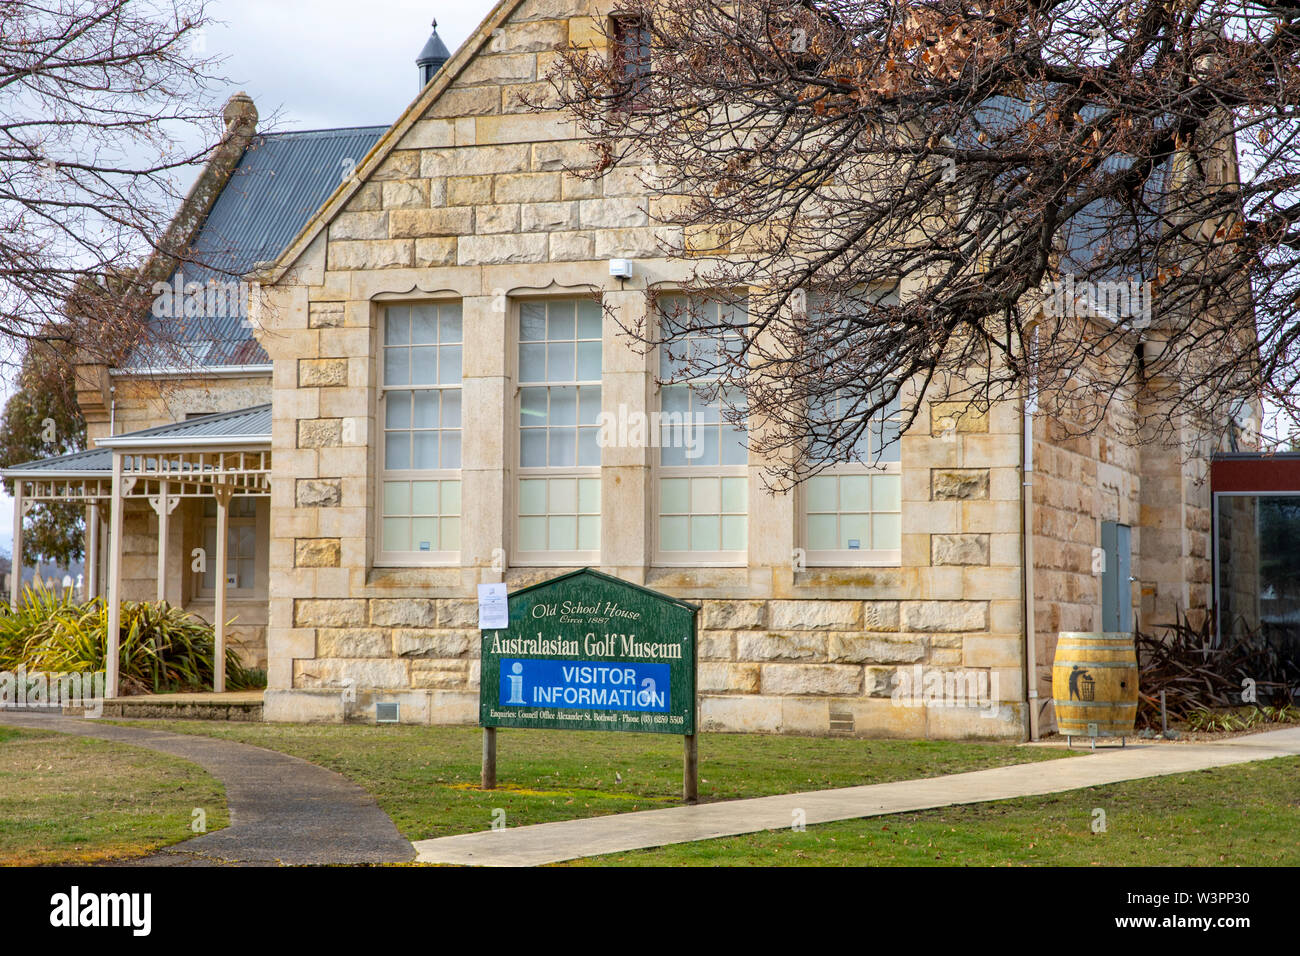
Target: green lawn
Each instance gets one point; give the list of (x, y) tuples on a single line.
[(426, 778), (66, 799), (1247, 815)]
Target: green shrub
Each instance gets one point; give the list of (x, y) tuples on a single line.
[(1241, 718), (160, 648)]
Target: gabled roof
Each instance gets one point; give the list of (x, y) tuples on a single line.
[(343, 192), (281, 179)]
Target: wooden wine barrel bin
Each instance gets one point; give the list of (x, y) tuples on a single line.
[(1095, 684)]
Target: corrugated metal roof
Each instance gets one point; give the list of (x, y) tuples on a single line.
[(281, 180), (242, 424), (94, 461)]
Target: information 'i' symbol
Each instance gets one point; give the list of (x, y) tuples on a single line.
[(516, 683)]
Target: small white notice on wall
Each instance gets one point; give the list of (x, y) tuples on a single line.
[(493, 610)]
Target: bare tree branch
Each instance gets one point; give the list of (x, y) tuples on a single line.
[(1114, 180), (96, 98)]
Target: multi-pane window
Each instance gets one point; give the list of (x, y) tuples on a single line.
[(630, 40), (421, 414), (241, 545), (851, 508), (703, 497), (559, 410)]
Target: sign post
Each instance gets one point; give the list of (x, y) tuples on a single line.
[(587, 651), (690, 770), (489, 780)]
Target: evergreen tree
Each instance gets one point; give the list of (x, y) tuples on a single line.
[(41, 420)]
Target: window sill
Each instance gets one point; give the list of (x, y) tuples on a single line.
[(865, 559), (442, 559), (556, 559), (449, 578), (676, 578), (875, 583)]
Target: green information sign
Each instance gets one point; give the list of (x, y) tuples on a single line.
[(587, 651)]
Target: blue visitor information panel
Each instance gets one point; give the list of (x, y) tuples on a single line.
[(584, 685)]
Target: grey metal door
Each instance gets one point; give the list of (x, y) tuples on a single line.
[(1116, 592)]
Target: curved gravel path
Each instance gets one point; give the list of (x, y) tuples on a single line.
[(283, 810)]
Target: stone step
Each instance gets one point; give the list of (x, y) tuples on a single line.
[(244, 706)]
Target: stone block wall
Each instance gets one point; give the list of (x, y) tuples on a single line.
[(1176, 510), (146, 402), (1125, 470), (780, 666), (474, 203), (1078, 482), (139, 551), (782, 648)]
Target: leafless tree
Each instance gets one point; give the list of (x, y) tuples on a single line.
[(104, 112), (1095, 199)]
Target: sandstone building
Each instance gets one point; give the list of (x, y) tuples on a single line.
[(414, 411)]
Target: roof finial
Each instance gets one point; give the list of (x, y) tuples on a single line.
[(432, 57)]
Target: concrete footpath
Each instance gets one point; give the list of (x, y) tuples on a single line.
[(282, 810), (555, 842)]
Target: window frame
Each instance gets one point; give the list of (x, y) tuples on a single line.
[(518, 472), (260, 523), (636, 71), (441, 557), (661, 472), (847, 557), (870, 469)]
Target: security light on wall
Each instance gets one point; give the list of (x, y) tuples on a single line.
[(620, 268)]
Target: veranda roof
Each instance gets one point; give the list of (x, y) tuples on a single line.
[(245, 426), (81, 464)]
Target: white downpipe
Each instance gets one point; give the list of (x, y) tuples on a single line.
[(114, 581), (1027, 546)]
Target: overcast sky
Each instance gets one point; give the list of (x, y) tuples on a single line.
[(322, 64), (328, 63)]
